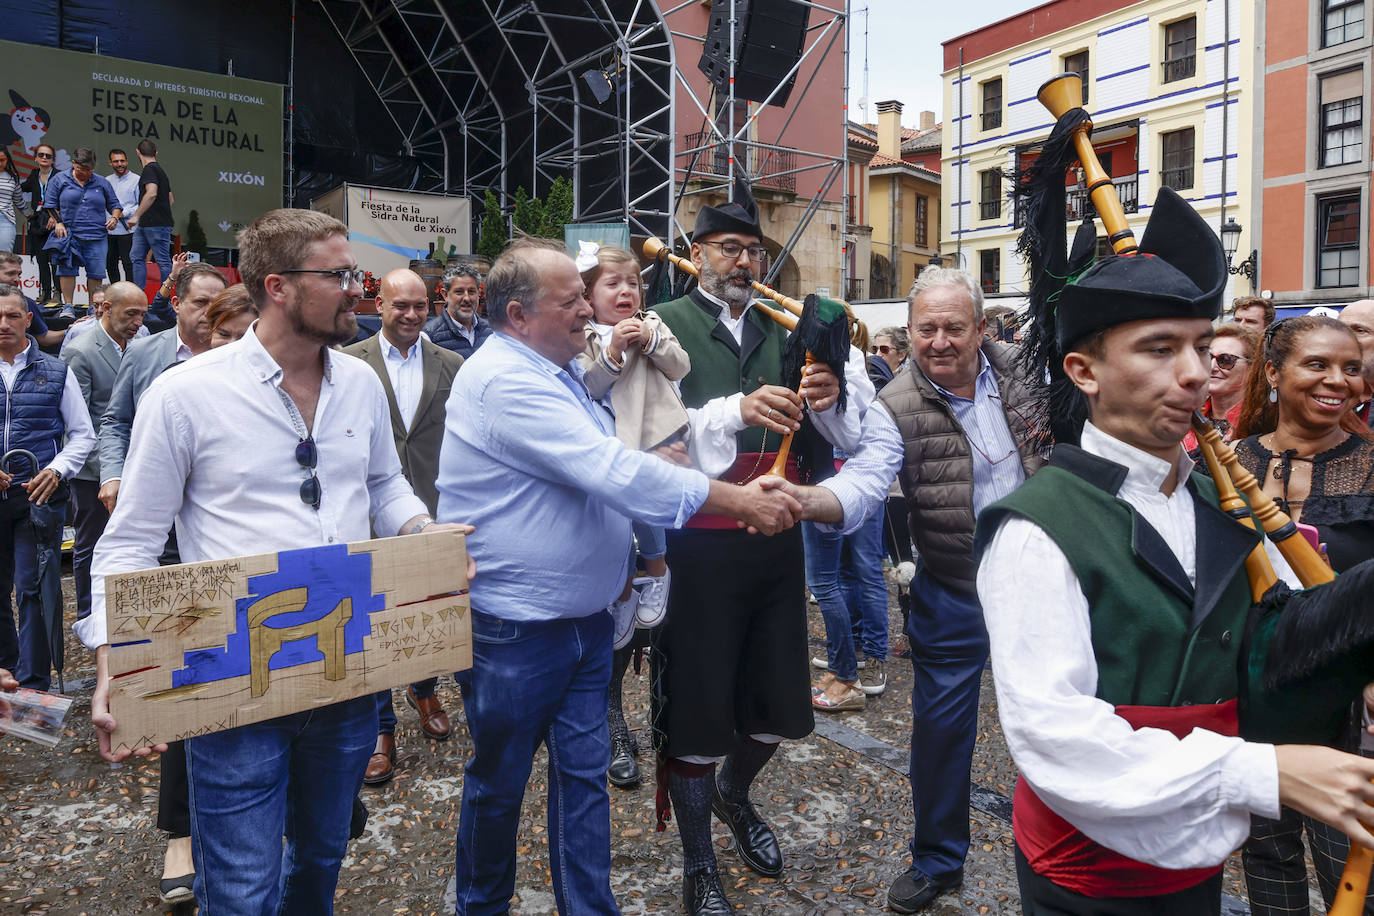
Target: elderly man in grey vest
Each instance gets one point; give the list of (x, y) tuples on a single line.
[(956, 426)]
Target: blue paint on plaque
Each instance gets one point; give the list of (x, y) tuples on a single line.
[(329, 574)]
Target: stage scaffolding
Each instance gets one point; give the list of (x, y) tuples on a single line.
[(492, 94)]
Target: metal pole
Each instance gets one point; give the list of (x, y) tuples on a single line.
[(291, 115), (959, 158), (843, 291), (730, 110)]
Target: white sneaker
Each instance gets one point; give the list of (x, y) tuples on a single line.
[(653, 600), (623, 613), (821, 663)]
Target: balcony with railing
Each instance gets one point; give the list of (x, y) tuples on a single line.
[(1078, 203), (775, 168)]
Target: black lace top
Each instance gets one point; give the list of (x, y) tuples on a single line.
[(1341, 504)]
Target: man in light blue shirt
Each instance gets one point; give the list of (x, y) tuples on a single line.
[(533, 462), (957, 428)]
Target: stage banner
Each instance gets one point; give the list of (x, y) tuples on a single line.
[(586, 237), (390, 228), (219, 138), (203, 647)]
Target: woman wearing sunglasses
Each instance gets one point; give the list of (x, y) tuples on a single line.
[(1233, 353), (1309, 451)]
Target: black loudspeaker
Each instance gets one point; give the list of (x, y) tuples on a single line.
[(769, 38)]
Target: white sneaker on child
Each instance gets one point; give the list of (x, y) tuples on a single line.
[(653, 600), (623, 613)]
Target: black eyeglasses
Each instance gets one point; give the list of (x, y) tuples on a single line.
[(1228, 360), (307, 457), (733, 250), (345, 275)]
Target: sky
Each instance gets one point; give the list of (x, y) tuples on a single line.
[(904, 54)]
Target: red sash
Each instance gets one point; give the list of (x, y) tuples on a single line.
[(747, 466), (1058, 851)]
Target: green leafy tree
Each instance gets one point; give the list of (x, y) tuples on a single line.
[(195, 235), (529, 213), (494, 234), (558, 208)]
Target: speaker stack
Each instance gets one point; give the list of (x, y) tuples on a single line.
[(770, 36)]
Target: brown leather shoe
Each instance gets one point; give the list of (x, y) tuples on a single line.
[(382, 765), (433, 720)]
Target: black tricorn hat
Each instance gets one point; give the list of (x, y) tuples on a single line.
[(739, 215), (1178, 273)]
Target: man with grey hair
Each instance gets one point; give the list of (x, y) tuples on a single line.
[(957, 429), (1359, 317), (458, 327)]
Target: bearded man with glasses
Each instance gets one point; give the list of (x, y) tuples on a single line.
[(730, 662), (273, 442)]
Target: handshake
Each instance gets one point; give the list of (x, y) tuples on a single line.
[(765, 505)]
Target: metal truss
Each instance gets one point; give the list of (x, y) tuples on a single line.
[(711, 158), (490, 95)]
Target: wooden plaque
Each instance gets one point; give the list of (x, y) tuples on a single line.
[(204, 647)]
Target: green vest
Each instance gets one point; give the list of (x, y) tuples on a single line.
[(1157, 640), (719, 366)]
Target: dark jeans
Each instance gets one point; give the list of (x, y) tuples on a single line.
[(949, 647), (31, 537), (90, 521), (117, 253), (293, 776), (386, 712), (532, 684)]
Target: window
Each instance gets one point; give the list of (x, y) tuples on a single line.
[(990, 270), (990, 198), (1180, 49), (992, 104), (1078, 63), (922, 209), (1338, 241), (1342, 21), (1177, 167), (1342, 110)]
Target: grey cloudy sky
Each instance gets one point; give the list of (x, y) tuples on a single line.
[(904, 53)]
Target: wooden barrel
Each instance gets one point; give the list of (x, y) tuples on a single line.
[(432, 272), (477, 262)]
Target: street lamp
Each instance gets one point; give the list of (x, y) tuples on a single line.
[(1230, 238)]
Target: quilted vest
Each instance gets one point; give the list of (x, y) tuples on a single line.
[(937, 468), (32, 411)]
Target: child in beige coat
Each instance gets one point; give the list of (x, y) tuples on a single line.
[(632, 361)]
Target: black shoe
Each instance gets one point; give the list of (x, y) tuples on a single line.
[(177, 890), (914, 891), (702, 895), (754, 839), (624, 770)]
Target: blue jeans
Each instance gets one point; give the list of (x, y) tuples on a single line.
[(827, 554), (30, 539), (295, 776), (6, 233), (651, 540), (949, 647), (157, 238), (531, 684), (386, 712), (91, 255)]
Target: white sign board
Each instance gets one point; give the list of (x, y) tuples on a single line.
[(390, 228)]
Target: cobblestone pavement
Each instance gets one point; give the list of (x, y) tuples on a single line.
[(77, 836)]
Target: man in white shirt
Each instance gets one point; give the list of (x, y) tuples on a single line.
[(42, 405), (121, 237), (271, 443), (417, 376)]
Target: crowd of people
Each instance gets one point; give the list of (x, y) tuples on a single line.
[(609, 466)]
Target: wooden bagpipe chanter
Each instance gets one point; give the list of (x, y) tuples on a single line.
[(1309, 652)]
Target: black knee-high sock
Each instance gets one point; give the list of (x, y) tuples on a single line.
[(740, 768), (615, 713), (689, 786)]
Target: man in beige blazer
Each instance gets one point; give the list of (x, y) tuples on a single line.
[(417, 375)]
